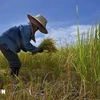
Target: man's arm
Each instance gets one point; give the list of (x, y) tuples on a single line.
[(26, 33)]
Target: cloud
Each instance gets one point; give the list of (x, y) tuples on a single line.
[(64, 35)]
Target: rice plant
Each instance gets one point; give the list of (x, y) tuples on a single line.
[(48, 44)]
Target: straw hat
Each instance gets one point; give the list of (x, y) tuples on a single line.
[(39, 21)]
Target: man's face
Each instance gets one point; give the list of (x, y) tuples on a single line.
[(35, 28), (33, 37)]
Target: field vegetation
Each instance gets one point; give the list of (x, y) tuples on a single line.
[(70, 73)]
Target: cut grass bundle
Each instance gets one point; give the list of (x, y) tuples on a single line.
[(48, 44)]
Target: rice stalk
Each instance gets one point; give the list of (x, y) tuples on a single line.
[(48, 44)]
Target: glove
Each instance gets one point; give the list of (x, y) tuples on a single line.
[(40, 50), (14, 71)]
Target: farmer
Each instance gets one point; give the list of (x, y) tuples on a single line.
[(18, 38)]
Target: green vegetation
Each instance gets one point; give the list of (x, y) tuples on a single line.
[(71, 73)]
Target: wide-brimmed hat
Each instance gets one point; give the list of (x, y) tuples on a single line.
[(39, 21)]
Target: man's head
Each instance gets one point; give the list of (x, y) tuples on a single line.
[(40, 21)]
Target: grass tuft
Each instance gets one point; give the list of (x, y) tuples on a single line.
[(48, 44)]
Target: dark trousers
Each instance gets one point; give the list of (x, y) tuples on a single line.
[(12, 58)]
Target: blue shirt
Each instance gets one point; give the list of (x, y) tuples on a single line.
[(18, 38)]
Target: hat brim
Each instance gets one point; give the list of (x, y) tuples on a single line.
[(37, 23)]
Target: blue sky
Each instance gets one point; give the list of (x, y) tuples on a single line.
[(61, 15)]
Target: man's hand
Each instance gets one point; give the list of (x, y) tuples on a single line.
[(40, 50), (14, 71)]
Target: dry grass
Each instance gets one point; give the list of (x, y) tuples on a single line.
[(48, 44), (71, 73)]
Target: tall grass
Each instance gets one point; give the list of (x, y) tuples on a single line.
[(71, 73)]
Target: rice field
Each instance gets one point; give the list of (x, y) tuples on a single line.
[(70, 73)]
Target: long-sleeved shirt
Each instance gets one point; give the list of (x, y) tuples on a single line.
[(18, 38)]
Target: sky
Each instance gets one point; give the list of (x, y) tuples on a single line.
[(61, 16)]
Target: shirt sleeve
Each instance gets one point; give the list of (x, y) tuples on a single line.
[(26, 37)]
